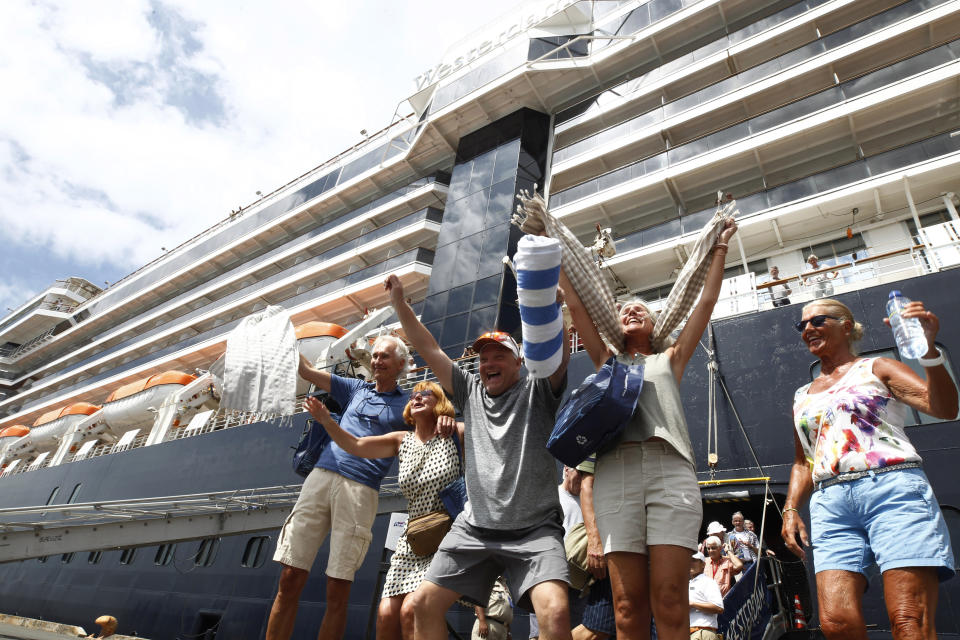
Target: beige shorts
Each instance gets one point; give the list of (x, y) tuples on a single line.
[(646, 493), (329, 503)]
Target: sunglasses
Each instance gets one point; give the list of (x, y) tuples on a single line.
[(423, 393), (816, 321)]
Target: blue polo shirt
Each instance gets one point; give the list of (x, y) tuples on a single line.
[(365, 413)]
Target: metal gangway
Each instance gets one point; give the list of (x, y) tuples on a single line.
[(34, 532)]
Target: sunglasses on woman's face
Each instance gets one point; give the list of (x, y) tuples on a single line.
[(816, 321), (423, 393)]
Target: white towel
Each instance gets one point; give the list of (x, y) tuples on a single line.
[(538, 272), (260, 366)]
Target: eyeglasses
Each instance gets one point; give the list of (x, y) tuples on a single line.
[(816, 321), (423, 394)]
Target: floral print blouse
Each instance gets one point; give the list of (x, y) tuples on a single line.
[(855, 425)]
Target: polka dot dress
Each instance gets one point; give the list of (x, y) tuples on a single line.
[(425, 469)]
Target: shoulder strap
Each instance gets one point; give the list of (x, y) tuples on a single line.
[(459, 445)]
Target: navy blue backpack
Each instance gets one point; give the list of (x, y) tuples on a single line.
[(313, 440), (595, 414)]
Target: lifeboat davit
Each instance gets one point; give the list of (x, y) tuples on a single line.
[(10, 435), (129, 407), (313, 340)]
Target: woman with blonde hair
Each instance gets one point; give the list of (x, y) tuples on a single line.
[(870, 501), (646, 497), (428, 463)]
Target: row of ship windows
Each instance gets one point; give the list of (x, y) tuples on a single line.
[(254, 554)]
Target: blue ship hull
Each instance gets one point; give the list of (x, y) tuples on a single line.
[(762, 362)]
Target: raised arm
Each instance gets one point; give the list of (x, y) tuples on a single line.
[(592, 342), (419, 337), (383, 446), (321, 379), (798, 491), (557, 377), (682, 350), (935, 396)]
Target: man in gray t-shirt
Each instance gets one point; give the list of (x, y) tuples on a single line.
[(512, 523)]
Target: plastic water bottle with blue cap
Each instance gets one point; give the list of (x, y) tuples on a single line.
[(907, 332)]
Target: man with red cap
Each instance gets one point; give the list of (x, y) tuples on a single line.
[(512, 523)]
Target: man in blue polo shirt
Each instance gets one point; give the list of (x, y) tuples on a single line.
[(340, 494)]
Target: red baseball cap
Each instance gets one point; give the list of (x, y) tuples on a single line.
[(496, 337)]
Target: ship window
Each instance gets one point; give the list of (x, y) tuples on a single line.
[(913, 416), (255, 552), (127, 556), (207, 552), (164, 555), (66, 558), (94, 557), (74, 494), (53, 494)]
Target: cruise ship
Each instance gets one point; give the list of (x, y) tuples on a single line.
[(834, 124)]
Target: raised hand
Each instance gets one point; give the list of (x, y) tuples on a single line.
[(394, 289), (928, 320), (317, 409), (727, 232)]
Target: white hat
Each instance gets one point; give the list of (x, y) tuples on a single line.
[(715, 527), (699, 556)]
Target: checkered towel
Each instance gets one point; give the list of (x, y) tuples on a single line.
[(260, 366), (584, 274), (533, 217), (686, 290)]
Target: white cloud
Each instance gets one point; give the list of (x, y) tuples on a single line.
[(129, 126)]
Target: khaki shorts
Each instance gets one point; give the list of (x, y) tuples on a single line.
[(646, 493), (329, 503)]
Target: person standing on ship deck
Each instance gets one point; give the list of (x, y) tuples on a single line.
[(340, 495), (868, 489), (512, 523), (646, 496)]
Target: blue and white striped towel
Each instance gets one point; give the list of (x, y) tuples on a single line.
[(538, 271)]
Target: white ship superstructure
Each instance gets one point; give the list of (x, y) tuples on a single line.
[(835, 125)]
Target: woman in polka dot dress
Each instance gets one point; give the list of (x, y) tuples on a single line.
[(428, 462)]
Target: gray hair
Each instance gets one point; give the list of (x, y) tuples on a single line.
[(713, 540), (399, 348), (736, 513)]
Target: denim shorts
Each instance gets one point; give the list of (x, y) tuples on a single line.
[(891, 519)]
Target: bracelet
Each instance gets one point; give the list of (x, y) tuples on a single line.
[(785, 509), (721, 244), (931, 362)]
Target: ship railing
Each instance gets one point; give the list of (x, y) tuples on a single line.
[(33, 343), (936, 248)]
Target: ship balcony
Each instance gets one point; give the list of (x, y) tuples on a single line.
[(868, 132), (209, 280), (791, 78), (36, 318), (799, 31), (341, 266)]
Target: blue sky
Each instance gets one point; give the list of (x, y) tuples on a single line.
[(130, 126)]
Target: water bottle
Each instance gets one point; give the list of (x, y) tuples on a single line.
[(906, 331)]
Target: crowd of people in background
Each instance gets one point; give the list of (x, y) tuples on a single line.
[(637, 505)]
